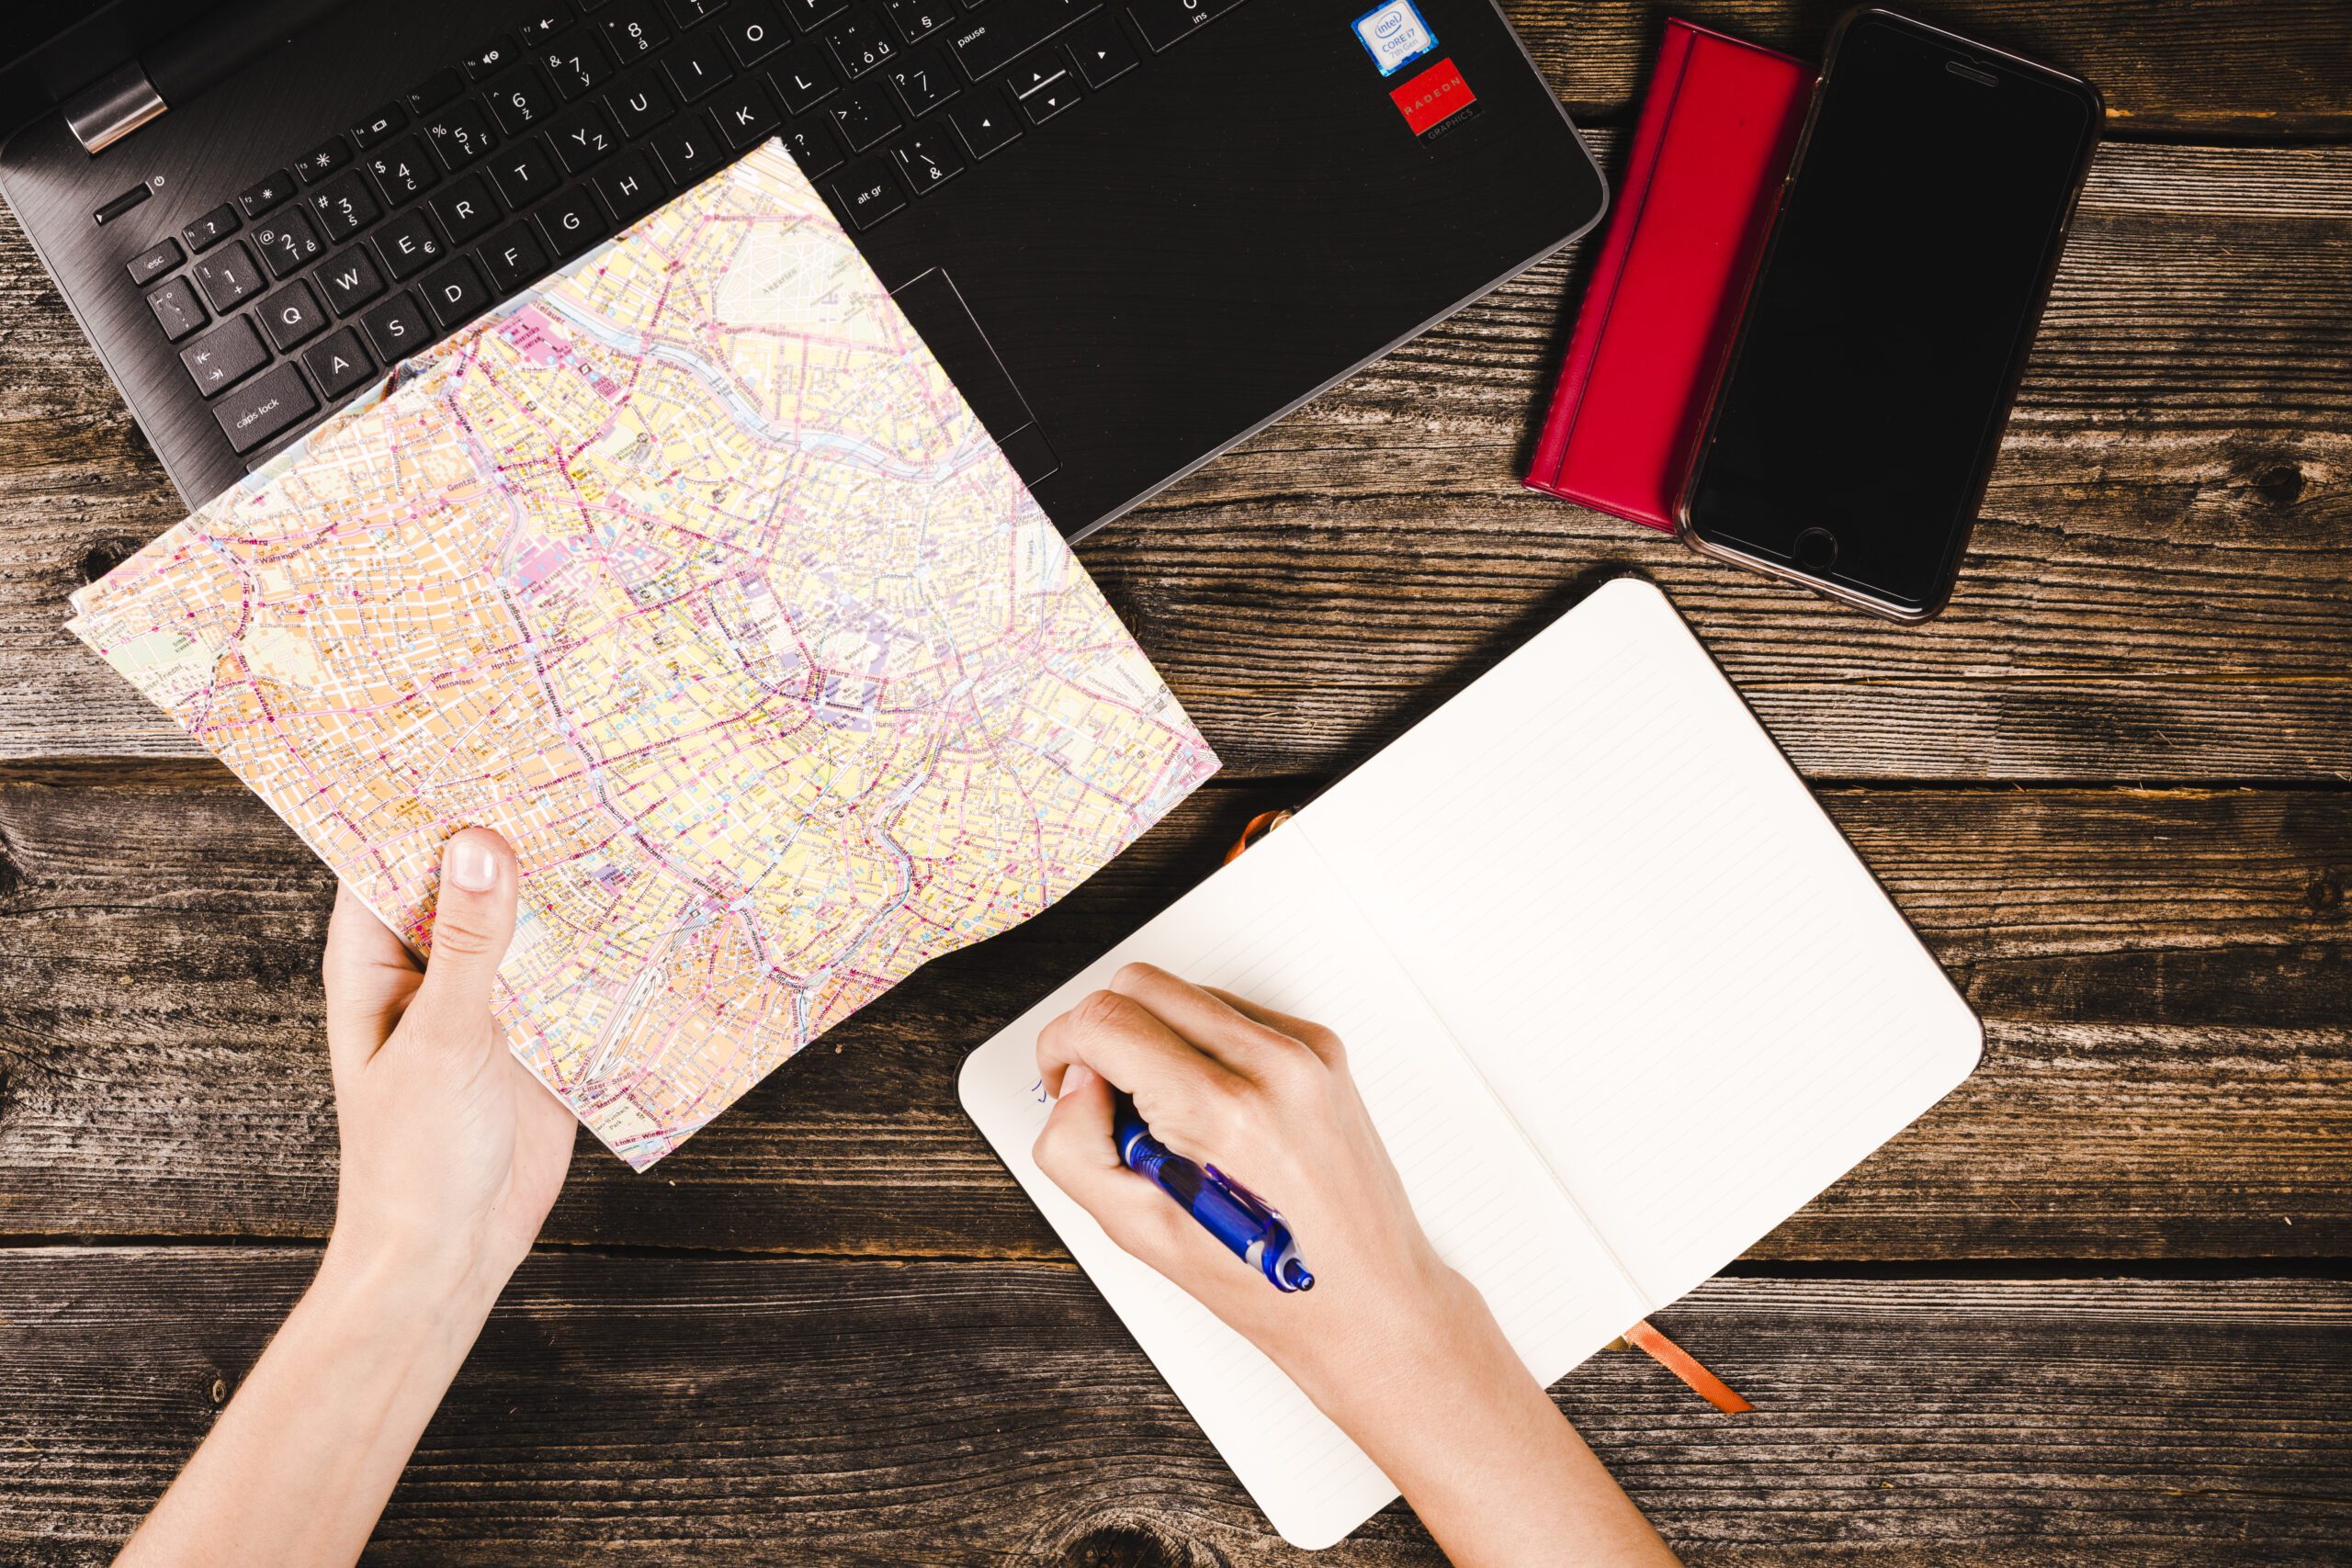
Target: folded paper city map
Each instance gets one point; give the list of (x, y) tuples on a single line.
[(691, 573)]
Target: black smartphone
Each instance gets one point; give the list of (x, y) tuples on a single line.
[(1857, 417)]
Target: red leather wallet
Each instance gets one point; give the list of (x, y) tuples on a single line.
[(1716, 133)]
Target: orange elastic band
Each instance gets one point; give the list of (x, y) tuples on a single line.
[(1260, 826), (1684, 1365)]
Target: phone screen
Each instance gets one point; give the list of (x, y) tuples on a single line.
[(1866, 397)]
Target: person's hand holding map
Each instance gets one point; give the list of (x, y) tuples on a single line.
[(691, 573)]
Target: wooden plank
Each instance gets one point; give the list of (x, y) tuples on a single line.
[(2184, 68), (837, 1412), (2165, 978), (2156, 592)]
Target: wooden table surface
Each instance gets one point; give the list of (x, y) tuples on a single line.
[(2092, 1309)]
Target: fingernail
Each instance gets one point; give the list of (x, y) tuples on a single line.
[(472, 866), (1076, 1076)]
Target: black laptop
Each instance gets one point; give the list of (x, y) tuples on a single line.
[(1134, 231)]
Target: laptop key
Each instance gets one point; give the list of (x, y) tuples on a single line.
[(640, 102), (1166, 23), (397, 327), (492, 58), (514, 257), (984, 123), (868, 192), (633, 32), (687, 150), (1051, 99), (344, 206), (813, 147), (1040, 71), (351, 280), (918, 19), (744, 114), (808, 15), (583, 137), (408, 244), (266, 193), (288, 244), (1011, 29), (228, 277), (628, 184), (572, 222), (465, 208), (1101, 48), (323, 160), (224, 355), (865, 117), (928, 161), (148, 266), (460, 135), (378, 126), (435, 91), (687, 13), (272, 403), (922, 82), (403, 170), (292, 315), (524, 172), (211, 229), (753, 33), (177, 310), (520, 100), (338, 363), (455, 294), (859, 44), (803, 82), (574, 61), (697, 65), (545, 22)]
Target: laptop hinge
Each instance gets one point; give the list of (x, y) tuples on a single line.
[(112, 107)]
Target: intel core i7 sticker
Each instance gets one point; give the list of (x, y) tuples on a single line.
[(1435, 101), (1396, 35)]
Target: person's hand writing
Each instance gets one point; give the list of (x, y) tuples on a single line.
[(1268, 1099), (452, 1151), (1395, 1346)]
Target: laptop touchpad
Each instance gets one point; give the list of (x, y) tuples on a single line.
[(936, 307)]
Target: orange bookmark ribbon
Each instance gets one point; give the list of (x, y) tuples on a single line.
[(1684, 1365)]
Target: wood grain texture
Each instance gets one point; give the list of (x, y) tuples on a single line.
[(2157, 591), (2165, 976), (657, 1410), (2175, 68)]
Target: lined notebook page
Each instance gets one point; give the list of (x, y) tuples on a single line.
[(1274, 927), (1665, 960)]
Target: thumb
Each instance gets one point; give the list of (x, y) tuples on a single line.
[(472, 921)]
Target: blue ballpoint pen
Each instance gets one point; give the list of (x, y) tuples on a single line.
[(1226, 1209)]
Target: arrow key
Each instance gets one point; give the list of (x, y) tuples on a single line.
[(984, 123), (1102, 51)]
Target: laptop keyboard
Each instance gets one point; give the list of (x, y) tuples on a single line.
[(290, 296)]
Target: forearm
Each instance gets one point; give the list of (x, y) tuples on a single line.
[(298, 1466), (1486, 1458)]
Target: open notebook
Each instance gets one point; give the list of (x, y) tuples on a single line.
[(1619, 997)]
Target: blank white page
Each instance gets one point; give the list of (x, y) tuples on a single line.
[(1664, 958), (1274, 927)]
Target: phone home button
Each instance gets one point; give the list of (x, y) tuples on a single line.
[(1816, 550)]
